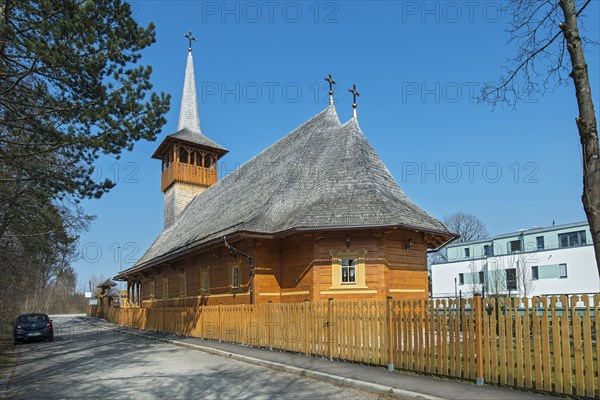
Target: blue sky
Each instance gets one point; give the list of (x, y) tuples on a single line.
[(259, 72)]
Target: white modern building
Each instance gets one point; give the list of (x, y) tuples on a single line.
[(530, 262)]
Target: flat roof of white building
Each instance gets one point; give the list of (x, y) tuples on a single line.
[(527, 231)]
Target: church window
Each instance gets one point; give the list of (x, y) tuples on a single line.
[(205, 281), (165, 293), (208, 161), (183, 156), (234, 266), (348, 269), (182, 282), (234, 276)]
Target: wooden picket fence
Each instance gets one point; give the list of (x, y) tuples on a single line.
[(545, 343)]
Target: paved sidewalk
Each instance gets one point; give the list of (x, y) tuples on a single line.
[(397, 384)]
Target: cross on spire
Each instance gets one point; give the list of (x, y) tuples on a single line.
[(354, 93), (190, 38), (331, 83)]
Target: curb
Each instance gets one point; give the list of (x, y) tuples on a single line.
[(335, 379), (322, 376)]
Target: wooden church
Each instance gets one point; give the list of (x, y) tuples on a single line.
[(315, 216)]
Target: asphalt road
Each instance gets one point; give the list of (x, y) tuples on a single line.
[(88, 362)]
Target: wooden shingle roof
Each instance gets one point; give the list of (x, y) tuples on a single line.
[(322, 175)]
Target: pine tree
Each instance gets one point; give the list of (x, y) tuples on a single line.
[(70, 90)]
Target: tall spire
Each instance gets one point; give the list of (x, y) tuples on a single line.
[(188, 114)]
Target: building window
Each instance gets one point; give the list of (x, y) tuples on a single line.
[(205, 280), (234, 277), (348, 270), (514, 246), (182, 282), (481, 277), (183, 156), (534, 273), (487, 250), (461, 279), (572, 239), (563, 270), (209, 161), (165, 287), (235, 274), (152, 287), (540, 242), (467, 252), (511, 279)]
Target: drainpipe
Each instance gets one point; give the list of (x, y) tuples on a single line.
[(233, 250)]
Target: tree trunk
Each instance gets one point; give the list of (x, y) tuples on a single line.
[(586, 123)]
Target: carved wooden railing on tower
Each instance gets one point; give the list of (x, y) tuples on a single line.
[(188, 173)]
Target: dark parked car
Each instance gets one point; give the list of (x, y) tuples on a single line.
[(33, 326)]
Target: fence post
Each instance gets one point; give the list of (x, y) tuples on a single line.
[(306, 329), (329, 329), (478, 339), (269, 318), (244, 324), (201, 322), (220, 324), (390, 335), (460, 308)]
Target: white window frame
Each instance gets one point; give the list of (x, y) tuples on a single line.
[(536, 276), (359, 257), (560, 271), (348, 264)]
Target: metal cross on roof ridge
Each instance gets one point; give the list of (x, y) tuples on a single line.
[(354, 93), (190, 38), (331, 83)]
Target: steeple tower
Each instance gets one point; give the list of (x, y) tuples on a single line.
[(189, 159), (188, 113)]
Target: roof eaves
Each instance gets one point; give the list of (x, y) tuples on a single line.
[(185, 250), (290, 231)]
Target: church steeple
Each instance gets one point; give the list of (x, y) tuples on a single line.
[(188, 114), (189, 159)]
